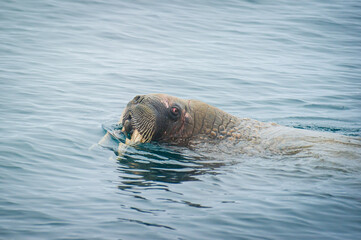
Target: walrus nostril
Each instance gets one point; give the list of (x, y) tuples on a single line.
[(138, 99)]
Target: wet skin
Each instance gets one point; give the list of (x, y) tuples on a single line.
[(164, 118), (192, 123)]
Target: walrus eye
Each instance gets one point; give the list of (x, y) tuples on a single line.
[(175, 112)]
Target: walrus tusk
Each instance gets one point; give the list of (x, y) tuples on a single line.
[(134, 140)]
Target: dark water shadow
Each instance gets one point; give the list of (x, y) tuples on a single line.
[(153, 165)]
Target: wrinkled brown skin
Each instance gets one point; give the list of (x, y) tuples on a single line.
[(198, 120), (200, 123)]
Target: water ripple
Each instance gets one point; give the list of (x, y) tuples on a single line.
[(66, 67)]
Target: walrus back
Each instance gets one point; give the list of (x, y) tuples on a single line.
[(271, 138)]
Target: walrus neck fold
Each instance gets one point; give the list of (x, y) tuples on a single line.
[(211, 122)]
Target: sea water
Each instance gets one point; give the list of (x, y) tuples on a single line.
[(69, 67)]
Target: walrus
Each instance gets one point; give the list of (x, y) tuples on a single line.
[(191, 123)]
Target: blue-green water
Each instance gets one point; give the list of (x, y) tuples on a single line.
[(67, 67)]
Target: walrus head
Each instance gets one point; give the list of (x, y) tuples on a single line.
[(157, 117), (164, 118)]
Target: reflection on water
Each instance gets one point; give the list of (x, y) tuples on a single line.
[(150, 164)]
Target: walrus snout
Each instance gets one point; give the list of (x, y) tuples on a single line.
[(127, 126), (139, 120)]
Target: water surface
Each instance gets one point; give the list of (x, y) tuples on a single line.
[(67, 67)]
